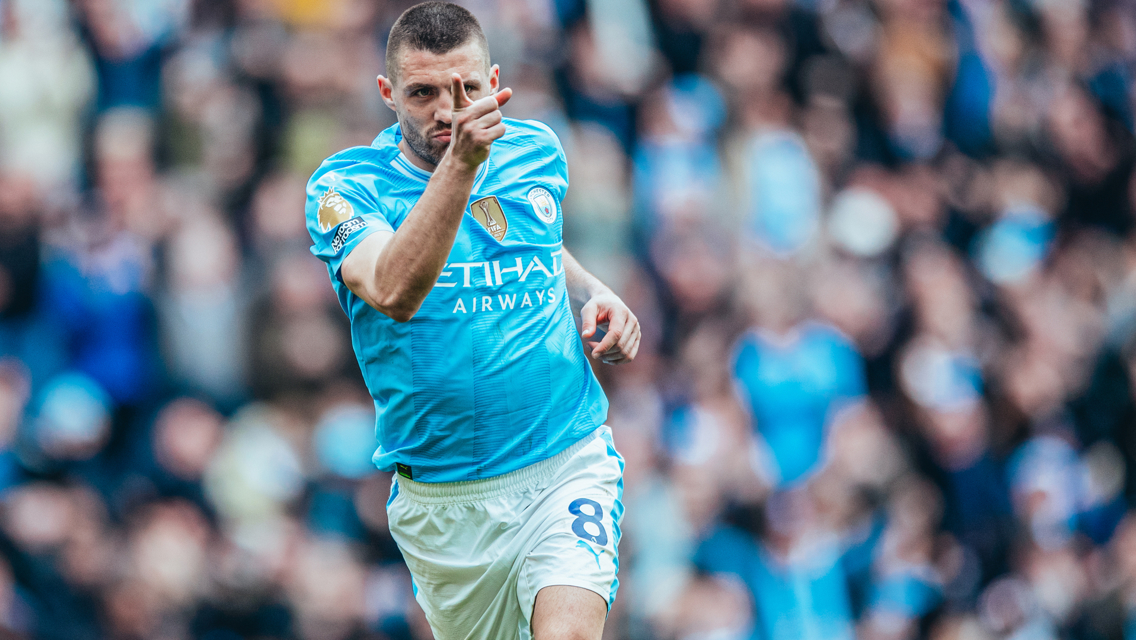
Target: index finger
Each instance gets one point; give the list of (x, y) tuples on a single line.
[(588, 320), (615, 331), (457, 90)]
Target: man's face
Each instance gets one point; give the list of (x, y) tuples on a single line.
[(420, 95)]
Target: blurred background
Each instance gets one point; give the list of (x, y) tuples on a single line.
[(883, 251)]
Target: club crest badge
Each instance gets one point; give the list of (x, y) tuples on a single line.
[(488, 212), (333, 209), (543, 204)]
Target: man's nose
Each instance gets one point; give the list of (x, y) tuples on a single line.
[(444, 109)]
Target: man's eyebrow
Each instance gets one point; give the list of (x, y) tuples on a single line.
[(411, 88)]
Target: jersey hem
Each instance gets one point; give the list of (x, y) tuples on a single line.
[(371, 227), (484, 489), (569, 582)]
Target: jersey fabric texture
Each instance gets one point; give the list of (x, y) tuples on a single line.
[(490, 375), (479, 552)]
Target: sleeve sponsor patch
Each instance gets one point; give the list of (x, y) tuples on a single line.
[(345, 231)]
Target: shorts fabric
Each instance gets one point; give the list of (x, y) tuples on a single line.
[(480, 551)]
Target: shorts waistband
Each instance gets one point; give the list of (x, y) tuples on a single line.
[(474, 490)]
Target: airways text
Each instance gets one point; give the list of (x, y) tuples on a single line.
[(534, 273)]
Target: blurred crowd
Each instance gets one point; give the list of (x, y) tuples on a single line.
[(884, 254)]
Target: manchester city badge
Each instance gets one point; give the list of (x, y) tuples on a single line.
[(543, 204)]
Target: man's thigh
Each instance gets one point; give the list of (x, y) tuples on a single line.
[(568, 613), (480, 567), (575, 560)]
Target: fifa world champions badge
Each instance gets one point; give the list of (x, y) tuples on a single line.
[(488, 212)]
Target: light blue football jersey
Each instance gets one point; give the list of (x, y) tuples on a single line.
[(490, 375)]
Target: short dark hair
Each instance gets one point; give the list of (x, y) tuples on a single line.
[(437, 27)]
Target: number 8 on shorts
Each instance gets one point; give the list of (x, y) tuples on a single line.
[(596, 532)]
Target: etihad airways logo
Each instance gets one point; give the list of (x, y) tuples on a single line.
[(492, 274)]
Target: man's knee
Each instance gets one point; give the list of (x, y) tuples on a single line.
[(568, 613)]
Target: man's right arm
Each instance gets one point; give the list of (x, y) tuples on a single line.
[(394, 272)]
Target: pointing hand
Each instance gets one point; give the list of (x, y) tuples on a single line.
[(475, 125)]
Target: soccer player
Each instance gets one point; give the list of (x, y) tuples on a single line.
[(443, 242)]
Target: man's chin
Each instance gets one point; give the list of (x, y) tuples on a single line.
[(431, 155)]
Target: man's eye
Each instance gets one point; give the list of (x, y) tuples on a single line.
[(469, 88), (421, 93)]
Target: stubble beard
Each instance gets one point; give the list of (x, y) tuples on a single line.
[(422, 147)]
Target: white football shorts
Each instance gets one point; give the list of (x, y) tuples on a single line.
[(480, 551)]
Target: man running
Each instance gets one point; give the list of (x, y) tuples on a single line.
[(443, 241)]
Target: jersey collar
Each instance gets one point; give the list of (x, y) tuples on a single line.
[(401, 164)]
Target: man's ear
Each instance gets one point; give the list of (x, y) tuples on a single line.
[(386, 91), (494, 78)]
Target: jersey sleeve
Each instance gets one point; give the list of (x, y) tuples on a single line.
[(341, 210), (559, 164)]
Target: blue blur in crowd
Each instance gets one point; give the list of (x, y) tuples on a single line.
[(907, 594), (73, 410), (676, 170), (967, 109), (978, 502), (343, 442), (36, 341), (1054, 492), (785, 191), (1015, 245), (793, 385), (100, 305), (805, 598)]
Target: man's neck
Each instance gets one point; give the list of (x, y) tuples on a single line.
[(414, 158)]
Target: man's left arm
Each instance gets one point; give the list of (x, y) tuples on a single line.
[(599, 306)]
